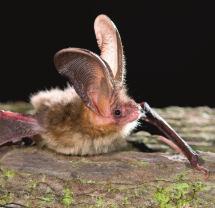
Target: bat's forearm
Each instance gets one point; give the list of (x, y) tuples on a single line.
[(152, 117)]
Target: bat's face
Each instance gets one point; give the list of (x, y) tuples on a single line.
[(118, 112), (126, 112)]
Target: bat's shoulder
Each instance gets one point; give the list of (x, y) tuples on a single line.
[(54, 97)]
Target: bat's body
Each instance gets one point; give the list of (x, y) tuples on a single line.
[(94, 114), (71, 128)]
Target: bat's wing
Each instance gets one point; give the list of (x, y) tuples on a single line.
[(15, 126), (171, 137)]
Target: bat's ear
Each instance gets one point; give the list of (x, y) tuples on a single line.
[(110, 44), (89, 75)]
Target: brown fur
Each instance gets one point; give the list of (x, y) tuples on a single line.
[(71, 128)]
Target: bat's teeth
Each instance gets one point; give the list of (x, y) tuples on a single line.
[(142, 115)]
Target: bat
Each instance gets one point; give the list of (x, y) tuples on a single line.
[(94, 113)]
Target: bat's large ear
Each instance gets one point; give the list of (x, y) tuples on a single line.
[(110, 44), (89, 75)]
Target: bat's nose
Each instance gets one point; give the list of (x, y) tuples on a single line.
[(145, 110)]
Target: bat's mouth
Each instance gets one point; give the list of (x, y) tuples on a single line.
[(149, 115)]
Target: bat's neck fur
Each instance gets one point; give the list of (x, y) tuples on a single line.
[(71, 128)]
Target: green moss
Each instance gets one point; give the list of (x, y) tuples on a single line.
[(32, 184), (181, 177), (67, 198), (177, 195), (86, 181), (6, 198), (113, 206), (141, 163), (48, 198), (100, 203), (8, 174), (126, 201)]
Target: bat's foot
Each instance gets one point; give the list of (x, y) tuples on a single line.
[(195, 164), (204, 170)]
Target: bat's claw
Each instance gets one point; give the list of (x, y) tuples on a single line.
[(204, 170), (195, 164)]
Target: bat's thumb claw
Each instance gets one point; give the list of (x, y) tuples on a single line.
[(204, 170)]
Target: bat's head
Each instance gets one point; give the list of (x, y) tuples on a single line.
[(99, 80), (124, 110), (126, 113)]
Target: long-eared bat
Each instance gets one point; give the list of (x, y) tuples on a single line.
[(94, 113)]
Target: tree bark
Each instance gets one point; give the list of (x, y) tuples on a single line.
[(35, 177)]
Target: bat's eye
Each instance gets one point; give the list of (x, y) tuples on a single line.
[(117, 113)]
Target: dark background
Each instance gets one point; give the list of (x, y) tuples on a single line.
[(169, 47)]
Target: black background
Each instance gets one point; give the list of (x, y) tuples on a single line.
[(169, 47)]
